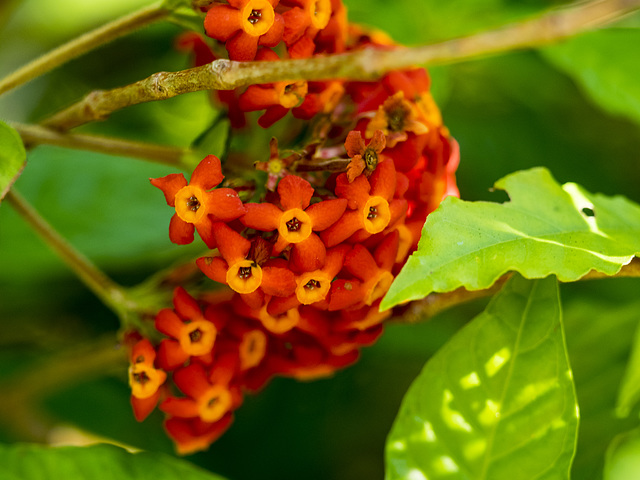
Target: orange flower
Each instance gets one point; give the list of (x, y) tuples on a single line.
[(395, 117), (195, 204), (296, 221), (244, 25), (305, 19), (194, 435), (243, 269), (371, 205), (364, 158), (144, 379), (192, 334)]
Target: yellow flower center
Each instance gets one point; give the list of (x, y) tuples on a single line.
[(252, 349), (295, 225), (214, 403), (280, 323), (320, 13), (376, 214), (379, 288), (244, 276), (313, 287), (257, 17), (145, 380), (197, 338), (291, 93), (275, 166), (189, 206)]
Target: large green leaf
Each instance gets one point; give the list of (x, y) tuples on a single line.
[(497, 401), (545, 229), (605, 64), (12, 157), (36, 462)]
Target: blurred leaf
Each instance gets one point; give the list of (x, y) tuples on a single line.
[(213, 141), (12, 157), (623, 457), (468, 417), (545, 229), (599, 324), (605, 64), (629, 392), (36, 462)]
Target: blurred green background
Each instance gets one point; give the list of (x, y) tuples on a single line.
[(574, 108)]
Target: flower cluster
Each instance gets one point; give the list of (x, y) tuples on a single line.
[(297, 277)]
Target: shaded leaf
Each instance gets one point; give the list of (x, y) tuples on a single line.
[(36, 462), (605, 64), (629, 393), (497, 401), (12, 157), (623, 457), (545, 229)]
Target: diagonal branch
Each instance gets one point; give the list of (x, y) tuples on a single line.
[(366, 64)]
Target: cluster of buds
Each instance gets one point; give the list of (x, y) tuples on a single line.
[(301, 272)]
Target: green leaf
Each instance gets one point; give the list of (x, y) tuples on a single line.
[(629, 392), (623, 457), (36, 462), (545, 229), (497, 401), (605, 64), (12, 157)]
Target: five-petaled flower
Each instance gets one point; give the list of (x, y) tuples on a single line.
[(144, 379), (196, 206), (244, 25)]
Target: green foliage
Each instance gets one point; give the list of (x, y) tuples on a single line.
[(35, 462), (629, 393), (545, 229), (12, 157), (623, 457), (497, 401), (605, 65)]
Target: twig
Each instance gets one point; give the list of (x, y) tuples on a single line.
[(434, 303), (366, 64), (36, 135), (83, 44), (111, 294)]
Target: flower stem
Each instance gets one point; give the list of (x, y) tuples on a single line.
[(366, 64), (83, 44), (35, 135), (111, 294)]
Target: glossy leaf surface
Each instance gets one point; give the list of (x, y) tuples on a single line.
[(545, 229), (497, 401)]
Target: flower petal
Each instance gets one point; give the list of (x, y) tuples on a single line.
[(171, 355), (180, 407), (274, 34), (347, 225), (168, 322), (186, 306), (192, 380), (242, 47), (308, 255), (383, 180), (385, 253), (213, 267), (190, 439), (361, 264), (224, 204), (295, 192), (296, 21), (326, 213), (272, 115), (208, 173), (261, 216), (345, 293), (258, 97), (170, 185), (142, 407), (356, 192), (277, 281), (180, 232), (232, 246), (222, 21), (356, 167), (354, 143)]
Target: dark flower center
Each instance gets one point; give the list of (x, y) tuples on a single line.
[(397, 118), (370, 158), (311, 284), (195, 336), (193, 203), (244, 273), (373, 213), (294, 225), (141, 378), (254, 16)]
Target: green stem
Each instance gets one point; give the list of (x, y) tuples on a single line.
[(83, 44), (35, 135), (111, 294)]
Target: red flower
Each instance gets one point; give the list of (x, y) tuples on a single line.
[(193, 435), (244, 25), (192, 334), (277, 98), (242, 273), (364, 158), (395, 117), (195, 205), (144, 379), (296, 221), (306, 18)]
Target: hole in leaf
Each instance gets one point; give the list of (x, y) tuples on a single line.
[(588, 212)]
